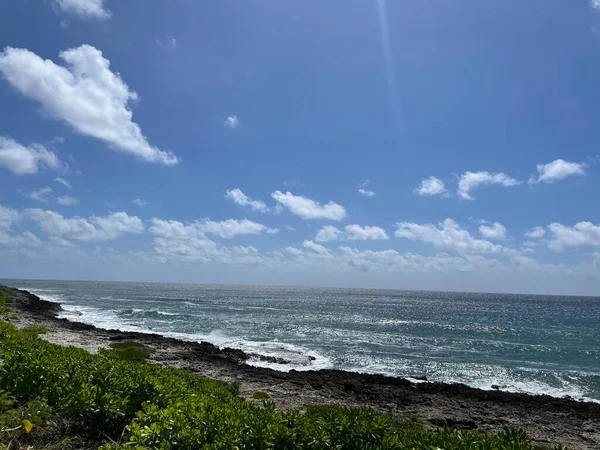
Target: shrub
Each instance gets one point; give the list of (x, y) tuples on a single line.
[(260, 395), (131, 351)]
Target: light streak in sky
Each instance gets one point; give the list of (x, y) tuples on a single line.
[(389, 63)]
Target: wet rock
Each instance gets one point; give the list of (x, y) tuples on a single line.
[(270, 359), (419, 377)]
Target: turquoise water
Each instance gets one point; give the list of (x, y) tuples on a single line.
[(536, 344)]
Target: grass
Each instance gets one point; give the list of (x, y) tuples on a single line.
[(35, 330), (260, 395), (131, 351), (74, 399)]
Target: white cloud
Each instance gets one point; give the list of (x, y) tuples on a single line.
[(353, 232), (23, 160), (595, 4), (41, 195), (7, 217), (234, 227), (196, 230), (366, 233), (65, 200), (557, 170), (168, 43), (392, 261), (93, 9), (64, 182), (231, 122), (536, 233), (450, 236), (329, 233), (472, 180), (86, 229), (363, 189), (309, 209), (493, 231), (582, 234), (85, 94), (317, 248), (139, 202), (239, 198), (366, 192), (431, 186), (188, 243), (174, 229), (26, 239)]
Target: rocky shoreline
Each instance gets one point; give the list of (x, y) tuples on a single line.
[(547, 420)]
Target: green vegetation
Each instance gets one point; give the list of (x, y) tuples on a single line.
[(35, 330), (131, 351), (63, 397), (260, 395), (6, 296)]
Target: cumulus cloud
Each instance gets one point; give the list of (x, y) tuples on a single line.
[(64, 182), (168, 43), (470, 181), (353, 232), (431, 186), (239, 198), (363, 189), (174, 229), (25, 160), (311, 255), (41, 195), (309, 209), (139, 202), (493, 231), (25, 239), (7, 217), (329, 233), (582, 234), (85, 94), (316, 248), (557, 170), (87, 9), (536, 233), (449, 236), (89, 229), (188, 243), (595, 4), (366, 233), (65, 200), (231, 122), (226, 229), (233, 227)]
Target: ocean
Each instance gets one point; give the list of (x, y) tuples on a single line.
[(523, 343)]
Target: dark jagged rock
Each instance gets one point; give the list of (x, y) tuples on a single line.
[(270, 359), (30, 302)]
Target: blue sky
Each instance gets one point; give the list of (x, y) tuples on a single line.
[(415, 144)]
